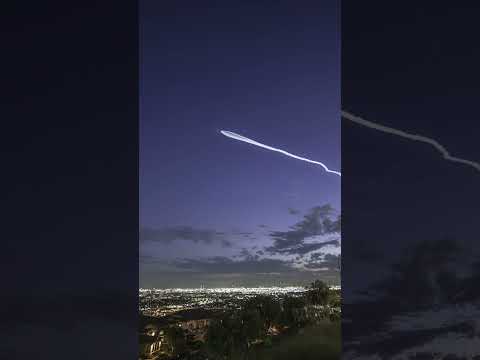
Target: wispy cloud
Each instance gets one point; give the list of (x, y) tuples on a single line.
[(292, 211), (323, 261), (220, 264), (169, 234)]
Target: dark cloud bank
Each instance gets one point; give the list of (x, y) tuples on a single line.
[(317, 222), (255, 262)]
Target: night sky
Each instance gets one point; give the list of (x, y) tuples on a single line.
[(219, 212), (396, 192), (410, 218)]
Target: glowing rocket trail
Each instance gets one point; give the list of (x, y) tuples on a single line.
[(253, 142), (446, 155)]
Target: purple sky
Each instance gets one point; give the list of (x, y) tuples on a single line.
[(268, 73)]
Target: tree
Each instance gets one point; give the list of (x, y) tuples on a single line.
[(228, 337), (293, 311), (176, 339), (217, 339), (271, 311), (318, 293), (335, 299), (253, 325), (268, 308)]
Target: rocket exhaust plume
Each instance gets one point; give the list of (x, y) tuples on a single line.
[(356, 119), (235, 136), (440, 148)]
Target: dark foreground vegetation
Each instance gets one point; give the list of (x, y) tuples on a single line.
[(306, 325), (320, 341)]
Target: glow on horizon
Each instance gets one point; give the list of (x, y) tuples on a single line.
[(239, 137), (236, 289)]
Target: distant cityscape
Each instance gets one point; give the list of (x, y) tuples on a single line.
[(163, 302), (182, 323)]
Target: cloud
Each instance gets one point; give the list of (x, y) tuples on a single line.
[(226, 243), (147, 259), (289, 252), (246, 254), (170, 234), (318, 221), (225, 265), (301, 249), (250, 254), (292, 211), (321, 261), (245, 234)]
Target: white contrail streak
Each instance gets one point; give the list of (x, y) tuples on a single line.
[(446, 155), (253, 142)]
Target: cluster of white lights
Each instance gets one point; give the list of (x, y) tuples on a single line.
[(247, 290)]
